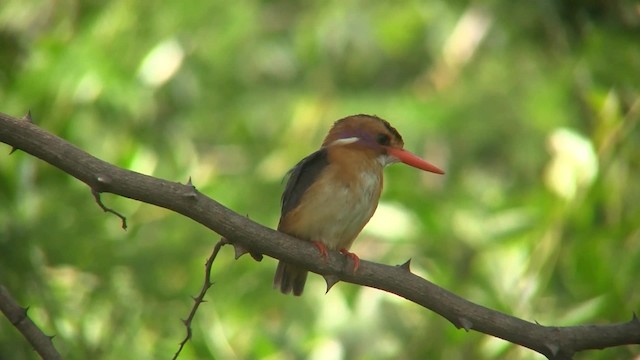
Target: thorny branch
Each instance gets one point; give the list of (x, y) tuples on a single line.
[(551, 341), (19, 318), (199, 299)]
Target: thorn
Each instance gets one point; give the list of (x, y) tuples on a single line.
[(554, 348), (239, 250), (406, 266), (536, 321), (22, 318), (191, 192), (466, 324), (330, 280), (25, 310), (27, 118), (634, 318), (51, 337), (184, 322)]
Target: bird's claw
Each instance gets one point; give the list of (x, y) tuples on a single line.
[(353, 257), (322, 248)]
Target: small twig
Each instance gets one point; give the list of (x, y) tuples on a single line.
[(200, 298), (96, 195), (18, 316)]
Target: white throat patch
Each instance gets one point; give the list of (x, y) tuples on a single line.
[(385, 160)]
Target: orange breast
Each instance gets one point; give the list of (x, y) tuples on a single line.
[(336, 207)]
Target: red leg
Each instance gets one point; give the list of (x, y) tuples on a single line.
[(322, 248), (353, 257)]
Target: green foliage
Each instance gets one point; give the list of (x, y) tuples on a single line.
[(531, 107)]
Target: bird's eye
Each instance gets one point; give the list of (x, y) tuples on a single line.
[(383, 139)]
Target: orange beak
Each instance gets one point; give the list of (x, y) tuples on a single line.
[(412, 160)]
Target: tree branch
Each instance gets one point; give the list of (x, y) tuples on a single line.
[(553, 342), (200, 298), (19, 318)]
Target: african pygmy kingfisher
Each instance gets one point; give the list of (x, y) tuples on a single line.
[(332, 193)]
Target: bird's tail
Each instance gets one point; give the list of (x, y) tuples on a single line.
[(288, 278)]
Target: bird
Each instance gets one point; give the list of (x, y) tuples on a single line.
[(331, 194)]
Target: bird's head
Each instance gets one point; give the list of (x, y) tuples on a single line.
[(377, 137)]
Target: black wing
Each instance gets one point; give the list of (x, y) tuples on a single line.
[(301, 177)]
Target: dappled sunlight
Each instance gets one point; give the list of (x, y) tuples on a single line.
[(392, 222), (507, 266), (582, 311), (327, 349), (573, 166), (88, 88), (333, 314), (161, 63), (143, 161), (478, 229), (531, 109), (218, 336), (461, 45)]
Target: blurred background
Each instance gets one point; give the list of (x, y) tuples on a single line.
[(532, 108)]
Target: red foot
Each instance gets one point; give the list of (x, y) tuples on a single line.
[(322, 248), (353, 257)]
